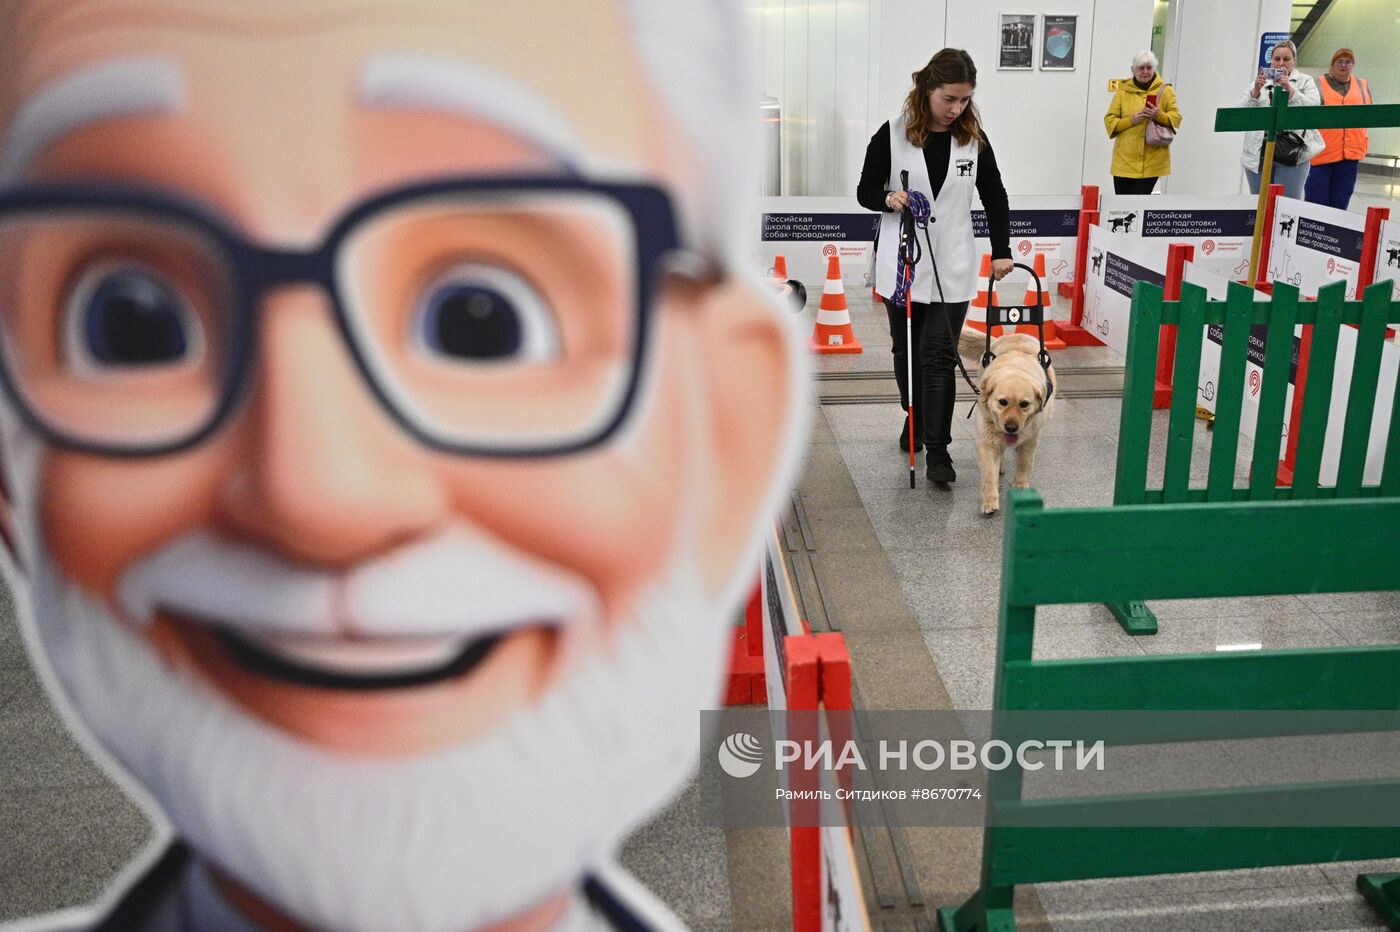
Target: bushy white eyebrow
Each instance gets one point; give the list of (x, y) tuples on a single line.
[(114, 88), (448, 86)]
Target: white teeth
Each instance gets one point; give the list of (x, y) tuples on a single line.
[(381, 656)]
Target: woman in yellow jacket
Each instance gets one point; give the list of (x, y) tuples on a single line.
[(1136, 165)]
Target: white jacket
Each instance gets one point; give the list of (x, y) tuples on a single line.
[(1307, 95)]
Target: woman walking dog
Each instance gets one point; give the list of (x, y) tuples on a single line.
[(938, 144)]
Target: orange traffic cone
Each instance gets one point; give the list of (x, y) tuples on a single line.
[(984, 277), (779, 270), (1053, 341), (833, 333)]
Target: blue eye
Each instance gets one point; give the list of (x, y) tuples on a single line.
[(126, 316), (485, 314)]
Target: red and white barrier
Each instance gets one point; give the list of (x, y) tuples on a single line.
[(807, 672)]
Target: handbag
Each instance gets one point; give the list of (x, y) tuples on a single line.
[(1289, 148), (1159, 136)]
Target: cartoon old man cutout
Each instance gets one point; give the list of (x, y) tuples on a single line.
[(386, 424)]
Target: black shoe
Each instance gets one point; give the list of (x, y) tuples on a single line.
[(904, 439), (940, 466)]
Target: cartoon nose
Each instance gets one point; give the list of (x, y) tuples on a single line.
[(324, 476)]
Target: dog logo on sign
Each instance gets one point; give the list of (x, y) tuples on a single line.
[(1392, 256), (1123, 223), (964, 168), (1285, 226), (1097, 260)]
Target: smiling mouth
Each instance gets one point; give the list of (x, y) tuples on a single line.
[(264, 661)]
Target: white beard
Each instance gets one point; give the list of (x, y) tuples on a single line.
[(445, 841)]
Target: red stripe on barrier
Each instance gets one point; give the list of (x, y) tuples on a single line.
[(804, 692), (1261, 277), (1178, 254)]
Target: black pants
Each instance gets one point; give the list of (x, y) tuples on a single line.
[(1133, 185), (936, 328)]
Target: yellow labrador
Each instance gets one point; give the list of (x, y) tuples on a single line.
[(1011, 410)]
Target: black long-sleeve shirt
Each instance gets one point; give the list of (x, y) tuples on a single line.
[(875, 181)]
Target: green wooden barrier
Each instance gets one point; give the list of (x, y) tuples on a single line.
[(1279, 116), (1176, 551), (1237, 314)]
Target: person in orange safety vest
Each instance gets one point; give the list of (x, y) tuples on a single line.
[(1333, 175)]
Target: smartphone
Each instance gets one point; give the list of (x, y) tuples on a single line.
[(1151, 100), (1275, 73)]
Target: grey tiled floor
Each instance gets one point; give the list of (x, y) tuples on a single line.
[(946, 557)]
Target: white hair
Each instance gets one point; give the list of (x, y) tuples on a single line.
[(1143, 57), (700, 58)]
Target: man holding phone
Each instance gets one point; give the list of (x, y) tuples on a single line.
[(1144, 99)]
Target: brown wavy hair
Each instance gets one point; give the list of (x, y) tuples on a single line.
[(950, 66)]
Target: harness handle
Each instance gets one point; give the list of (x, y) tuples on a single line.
[(1015, 314)]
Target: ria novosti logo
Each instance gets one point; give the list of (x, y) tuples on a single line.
[(740, 755)]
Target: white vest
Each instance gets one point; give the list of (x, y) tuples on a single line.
[(950, 229)]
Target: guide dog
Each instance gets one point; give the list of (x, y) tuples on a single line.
[(1126, 222), (1014, 403)]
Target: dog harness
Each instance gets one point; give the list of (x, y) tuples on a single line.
[(1014, 315)]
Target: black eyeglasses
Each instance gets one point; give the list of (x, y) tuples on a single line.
[(502, 316)]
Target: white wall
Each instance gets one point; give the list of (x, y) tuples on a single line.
[(840, 68), (1121, 31), (1371, 29), (818, 58), (1046, 125), (1212, 56), (910, 32)]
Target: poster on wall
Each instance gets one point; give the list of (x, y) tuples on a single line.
[(1057, 42), (1017, 42), (1221, 229), (1313, 245), (1388, 261), (1267, 41)]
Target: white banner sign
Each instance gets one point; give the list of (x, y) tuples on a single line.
[(1388, 262), (1206, 387), (1116, 262), (1221, 229), (806, 230), (1040, 225), (1337, 409), (1312, 245)]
